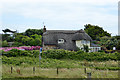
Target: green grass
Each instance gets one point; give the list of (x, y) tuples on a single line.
[(52, 72), (53, 63), (67, 68)]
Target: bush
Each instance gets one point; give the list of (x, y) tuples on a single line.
[(109, 68), (101, 51), (17, 44), (16, 53), (79, 55), (5, 44), (55, 54), (65, 54)]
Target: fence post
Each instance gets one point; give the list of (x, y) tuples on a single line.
[(57, 71), (11, 69), (33, 70), (85, 70), (18, 71), (89, 76)]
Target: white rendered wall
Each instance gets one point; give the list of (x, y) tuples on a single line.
[(79, 43)]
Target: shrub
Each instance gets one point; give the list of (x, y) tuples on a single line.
[(64, 54), (16, 53), (101, 51), (80, 55), (55, 54), (109, 68), (5, 44)]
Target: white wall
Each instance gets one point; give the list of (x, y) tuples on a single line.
[(80, 43)]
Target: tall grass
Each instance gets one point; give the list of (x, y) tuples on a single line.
[(51, 72)]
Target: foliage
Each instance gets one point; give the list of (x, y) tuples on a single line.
[(33, 40), (53, 63), (86, 48), (30, 32), (64, 54), (17, 53), (109, 68), (95, 31), (80, 55), (17, 44), (21, 48), (55, 54), (5, 36), (31, 37), (5, 43), (101, 51), (118, 45), (108, 42)]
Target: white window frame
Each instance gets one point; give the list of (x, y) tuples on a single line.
[(61, 41)]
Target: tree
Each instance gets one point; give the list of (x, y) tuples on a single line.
[(30, 32), (86, 48), (95, 31), (5, 44), (108, 42), (118, 46)]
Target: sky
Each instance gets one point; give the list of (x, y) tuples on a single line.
[(21, 15)]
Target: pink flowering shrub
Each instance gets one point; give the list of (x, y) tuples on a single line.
[(20, 48)]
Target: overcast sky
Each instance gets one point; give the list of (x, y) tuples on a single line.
[(58, 15)]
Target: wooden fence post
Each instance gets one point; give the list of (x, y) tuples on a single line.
[(57, 71), (85, 70), (33, 70), (11, 69)]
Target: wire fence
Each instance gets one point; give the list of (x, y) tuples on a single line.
[(15, 71)]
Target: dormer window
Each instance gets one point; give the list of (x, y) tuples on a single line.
[(61, 41)]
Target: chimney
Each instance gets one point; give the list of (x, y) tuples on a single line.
[(44, 29)]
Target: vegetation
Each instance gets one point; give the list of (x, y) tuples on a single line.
[(65, 54), (107, 42), (95, 31), (40, 73), (31, 37), (30, 32), (66, 61), (67, 68), (71, 64)]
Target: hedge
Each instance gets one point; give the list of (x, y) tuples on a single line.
[(64, 54)]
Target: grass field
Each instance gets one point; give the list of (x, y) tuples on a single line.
[(48, 68), (52, 72)]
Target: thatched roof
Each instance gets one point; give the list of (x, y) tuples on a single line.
[(51, 37), (81, 35)]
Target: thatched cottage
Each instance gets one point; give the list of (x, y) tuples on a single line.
[(65, 39)]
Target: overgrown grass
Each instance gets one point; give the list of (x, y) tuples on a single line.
[(71, 64), (53, 63), (67, 68), (26, 72)]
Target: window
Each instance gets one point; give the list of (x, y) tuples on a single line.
[(61, 41), (88, 42), (83, 42)]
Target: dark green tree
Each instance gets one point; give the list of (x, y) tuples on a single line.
[(108, 42), (30, 32), (95, 31), (118, 45), (86, 48)]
